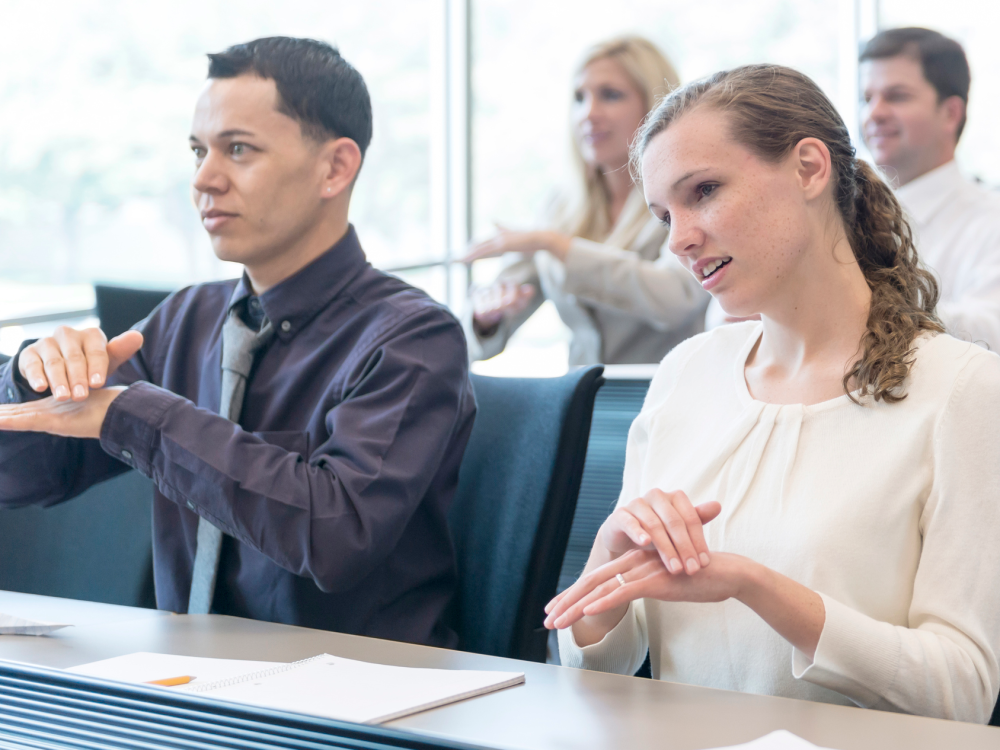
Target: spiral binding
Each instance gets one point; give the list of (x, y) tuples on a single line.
[(240, 679)]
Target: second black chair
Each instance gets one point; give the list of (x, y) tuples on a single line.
[(517, 491)]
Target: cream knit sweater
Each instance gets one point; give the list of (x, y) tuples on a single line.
[(890, 511)]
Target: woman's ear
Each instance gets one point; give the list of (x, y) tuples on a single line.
[(341, 160), (812, 164)]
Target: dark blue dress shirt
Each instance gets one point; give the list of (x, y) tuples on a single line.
[(333, 489)]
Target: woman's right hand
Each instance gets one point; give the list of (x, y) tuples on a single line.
[(665, 521), (491, 304)]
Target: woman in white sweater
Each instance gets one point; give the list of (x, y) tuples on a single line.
[(811, 502), (601, 259)]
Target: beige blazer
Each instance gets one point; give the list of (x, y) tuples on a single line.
[(627, 304)]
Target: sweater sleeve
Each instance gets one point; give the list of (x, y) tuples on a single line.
[(660, 291), (944, 664)]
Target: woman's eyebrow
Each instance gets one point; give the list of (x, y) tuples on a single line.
[(688, 176)]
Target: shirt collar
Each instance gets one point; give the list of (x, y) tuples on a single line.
[(291, 304), (927, 194)]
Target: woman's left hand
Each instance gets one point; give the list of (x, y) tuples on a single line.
[(528, 243), (645, 577)]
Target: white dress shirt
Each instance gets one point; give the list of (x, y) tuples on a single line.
[(957, 228), (890, 511)]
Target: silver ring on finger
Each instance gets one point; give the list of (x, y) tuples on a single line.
[(621, 578)]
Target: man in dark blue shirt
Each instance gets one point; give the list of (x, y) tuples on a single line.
[(331, 491)]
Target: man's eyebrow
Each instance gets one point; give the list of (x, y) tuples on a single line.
[(688, 176), (231, 133)]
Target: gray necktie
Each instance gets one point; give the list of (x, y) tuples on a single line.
[(239, 345)]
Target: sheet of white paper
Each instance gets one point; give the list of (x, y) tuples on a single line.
[(10, 625), (780, 740), (143, 667), (358, 691)]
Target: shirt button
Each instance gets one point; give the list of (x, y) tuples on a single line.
[(286, 326), (10, 393), (127, 455), (255, 303), (190, 505)]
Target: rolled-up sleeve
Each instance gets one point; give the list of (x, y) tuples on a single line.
[(335, 514)]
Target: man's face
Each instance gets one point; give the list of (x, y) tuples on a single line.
[(258, 182), (904, 125)]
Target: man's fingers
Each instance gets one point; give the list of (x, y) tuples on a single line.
[(55, 368), (32, 369), (95, 348), (122, 348)]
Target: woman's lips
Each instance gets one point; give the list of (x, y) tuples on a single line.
[(716, 277)]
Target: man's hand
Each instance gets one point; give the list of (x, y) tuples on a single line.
[(71, 362), (79, 419)]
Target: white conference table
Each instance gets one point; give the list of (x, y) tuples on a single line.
[(555, 708)]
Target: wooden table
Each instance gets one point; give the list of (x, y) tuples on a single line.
[(555, 708)]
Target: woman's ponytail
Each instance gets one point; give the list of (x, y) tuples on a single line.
[(904, 294)]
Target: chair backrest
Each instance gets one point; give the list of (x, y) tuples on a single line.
[(96, 547), (617, 405), (119, 308), (511, 516)]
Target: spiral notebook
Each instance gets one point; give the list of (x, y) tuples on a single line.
[(327, 686)]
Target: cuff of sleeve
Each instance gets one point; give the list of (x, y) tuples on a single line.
[(14, 389), (132, 425), (615, 653), (857, 656)]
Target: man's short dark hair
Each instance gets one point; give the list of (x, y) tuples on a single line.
[(316, 86), (942, 59)]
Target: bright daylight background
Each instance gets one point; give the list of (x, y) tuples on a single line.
[(96, 98)]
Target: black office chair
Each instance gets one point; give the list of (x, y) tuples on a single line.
[(96, 547), (512, 513), (119, 308)]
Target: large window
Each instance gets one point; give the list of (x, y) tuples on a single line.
[(96, 98), (524, 55), (471, 105)]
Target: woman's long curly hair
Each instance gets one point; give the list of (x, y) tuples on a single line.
[(771, 108)]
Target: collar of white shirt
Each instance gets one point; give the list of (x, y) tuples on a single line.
[(928, 193)]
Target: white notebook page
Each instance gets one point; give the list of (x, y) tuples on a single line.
[(358, 691)]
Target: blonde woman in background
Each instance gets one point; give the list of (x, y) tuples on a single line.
[(602, 261)]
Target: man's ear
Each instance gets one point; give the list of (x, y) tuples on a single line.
[(953, 109), (341, 160), (813, 167)]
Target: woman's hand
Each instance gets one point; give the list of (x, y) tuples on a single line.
[(645, 577), (664, 524), (507, 241), (665, 521), (491, 304)]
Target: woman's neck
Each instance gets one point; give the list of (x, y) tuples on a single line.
[(619, 185), (812, 336)]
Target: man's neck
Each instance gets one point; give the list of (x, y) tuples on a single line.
[(270, 273), (913, 172)]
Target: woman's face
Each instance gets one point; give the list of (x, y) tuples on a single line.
[(741, 225), (607, 110)]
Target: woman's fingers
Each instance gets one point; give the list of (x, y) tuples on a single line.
[(121, 349), (708, 511), (662, 541), (693, 527)]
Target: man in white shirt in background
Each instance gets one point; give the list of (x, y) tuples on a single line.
[(915, 84)]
